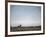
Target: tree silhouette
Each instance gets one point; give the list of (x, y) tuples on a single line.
[(20, 25)]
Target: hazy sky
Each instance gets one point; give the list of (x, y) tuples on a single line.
[(25, 15)]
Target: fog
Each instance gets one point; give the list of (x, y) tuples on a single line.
[(25, 15)]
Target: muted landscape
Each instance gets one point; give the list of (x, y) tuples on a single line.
[(25, 18), (29, 28)]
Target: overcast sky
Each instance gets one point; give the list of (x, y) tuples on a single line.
[(25, 15)]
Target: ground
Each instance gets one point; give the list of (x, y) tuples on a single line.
[(31, 28)]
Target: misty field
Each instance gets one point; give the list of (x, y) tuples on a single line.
[(31, 28)]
